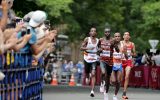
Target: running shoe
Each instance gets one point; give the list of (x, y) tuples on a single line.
[(106, 96), (92, 93), (115, 97), (124, 97), (101, 89)]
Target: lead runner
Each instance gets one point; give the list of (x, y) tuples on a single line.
[(128, 48)]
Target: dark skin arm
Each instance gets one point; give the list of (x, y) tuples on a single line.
[(99, 45), (84, 44)]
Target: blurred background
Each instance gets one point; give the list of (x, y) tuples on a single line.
[(73, 18)]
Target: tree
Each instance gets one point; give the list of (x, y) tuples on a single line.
[(90, 13), (55, 7)]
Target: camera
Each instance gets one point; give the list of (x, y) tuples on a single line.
[(13, 22), (18, 20), (25, 31)]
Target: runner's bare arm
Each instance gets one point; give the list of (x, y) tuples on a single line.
[(133, 50), (84, 44), (124, 49), (99, 45), (113, 42)]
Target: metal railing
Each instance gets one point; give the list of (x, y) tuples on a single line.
[(22, 80)]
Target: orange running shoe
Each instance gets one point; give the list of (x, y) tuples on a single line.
[(124, 97)]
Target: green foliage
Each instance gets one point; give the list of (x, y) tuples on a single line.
[(55, 7), (95, 13), (151, 16), (22, 7), (140, 17)]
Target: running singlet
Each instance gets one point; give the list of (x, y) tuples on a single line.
[(91, 55), (117, 60), (106, 54), (128, 61)]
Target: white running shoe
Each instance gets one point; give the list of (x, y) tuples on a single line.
[(106, 96), (115, 97), (101, 89), (92, 93)]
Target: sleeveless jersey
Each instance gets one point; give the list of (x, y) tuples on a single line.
[(91, 55), (117, 58), (129, 49), (106, 54)]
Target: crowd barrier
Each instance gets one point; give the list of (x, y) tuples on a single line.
[(140, 76), (145, 76), (22, 80)]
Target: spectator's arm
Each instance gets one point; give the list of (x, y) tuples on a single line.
[(4, 18), (39, 55), (143, 60), (12, 33), (22, 42), (38, 48), (40, 41)]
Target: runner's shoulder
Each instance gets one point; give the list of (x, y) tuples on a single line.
[(86, 39), (101, 39)]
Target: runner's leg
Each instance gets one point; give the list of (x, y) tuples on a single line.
[(127, 73), (93, 74), (102, 66)]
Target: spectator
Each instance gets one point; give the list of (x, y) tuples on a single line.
[(48, 73), (138, 60), (37, 46), (146, 58), (80, 67), (156, 58), (69, 66), (7, 41), (4, 15), (64, 66)]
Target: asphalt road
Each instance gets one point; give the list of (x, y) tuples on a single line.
[(83, 92)]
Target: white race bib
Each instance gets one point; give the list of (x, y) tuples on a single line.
[(91, 57), (105, 53), (129, 54)]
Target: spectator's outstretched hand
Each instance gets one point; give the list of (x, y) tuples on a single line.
[(19, 26), (52, 34), (5, 5)]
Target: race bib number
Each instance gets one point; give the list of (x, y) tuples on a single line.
[(105, 53), (129, 54), (92, 55)]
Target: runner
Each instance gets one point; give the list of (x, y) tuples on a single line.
[(129, 50), (106, 61), (90, 48), (117, 64)]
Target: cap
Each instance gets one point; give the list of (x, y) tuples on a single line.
[(28, 16), (37, 18)]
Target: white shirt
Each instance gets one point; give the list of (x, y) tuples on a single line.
[(156, 58)]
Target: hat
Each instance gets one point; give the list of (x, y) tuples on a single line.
[(37, 18), (28, 16)]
